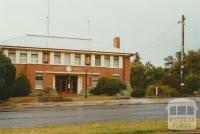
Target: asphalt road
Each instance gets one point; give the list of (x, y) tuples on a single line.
[(75, 115)]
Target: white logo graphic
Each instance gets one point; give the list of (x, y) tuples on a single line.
[(69, 68), (182, 114)]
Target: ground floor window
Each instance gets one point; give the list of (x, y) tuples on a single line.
[(38, 81), (95, 79)]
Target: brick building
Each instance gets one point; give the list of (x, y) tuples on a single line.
[(62, 63)]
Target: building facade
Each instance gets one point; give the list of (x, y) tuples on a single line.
[(66, 64)]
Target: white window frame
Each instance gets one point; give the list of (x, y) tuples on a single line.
[(34, 60), (107, 61), (96, 60), (77, 59), (12, 55), (57, 58), (38, 81), (116, 61), (67, 58), (95, 79), (23, 57)]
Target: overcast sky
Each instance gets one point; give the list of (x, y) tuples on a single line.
[(146, 26)]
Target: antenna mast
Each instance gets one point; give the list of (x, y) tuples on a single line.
[(48, 4)]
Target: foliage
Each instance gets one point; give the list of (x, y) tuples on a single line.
[(193, 83), (143, 75), (48, 91), (150, 91), (21, 86), (138, 75), (171, 81), (7, 77), (164, 90), (138, 93), (107, 86)]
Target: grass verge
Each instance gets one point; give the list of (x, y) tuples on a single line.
[(105, 127)]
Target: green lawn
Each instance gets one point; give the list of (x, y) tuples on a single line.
[(110, 127)]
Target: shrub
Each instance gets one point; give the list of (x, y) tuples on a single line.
[(21, 86), (150, 91), (165, 90), (108, 86), (138, 93), (7, 77), (193, 84), (48, 91)]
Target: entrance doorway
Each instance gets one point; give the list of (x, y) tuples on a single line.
[(66, 84)]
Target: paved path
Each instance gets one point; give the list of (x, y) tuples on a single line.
[(34, 117)]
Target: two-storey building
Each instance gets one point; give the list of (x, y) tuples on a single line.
[(62, 63)]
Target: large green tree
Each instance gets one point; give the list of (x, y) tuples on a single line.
[(7, 77)]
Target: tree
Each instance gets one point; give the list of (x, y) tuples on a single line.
[(21, 86), (138, 75), (149, 73), (7, 77)]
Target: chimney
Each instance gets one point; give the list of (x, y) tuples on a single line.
[(116, 42)]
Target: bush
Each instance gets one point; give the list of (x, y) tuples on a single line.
[(108, 86), (48, 91), (165, 90), (193, 84), (7, 77), (21, 86), (138, 93), (150, 91)]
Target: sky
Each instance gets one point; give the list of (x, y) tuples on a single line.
[(149, 27)]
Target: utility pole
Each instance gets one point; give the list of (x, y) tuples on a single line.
[(86, 82), (182, 22)]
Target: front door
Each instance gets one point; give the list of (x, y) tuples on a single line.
[(67, 84)]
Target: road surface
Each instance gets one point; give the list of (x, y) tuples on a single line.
[(36, 117)]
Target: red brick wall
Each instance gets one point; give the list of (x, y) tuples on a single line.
[(30, 69)]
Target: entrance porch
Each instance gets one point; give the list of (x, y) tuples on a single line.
[(68, 84)]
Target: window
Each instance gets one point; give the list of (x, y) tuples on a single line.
[(173, 110), (67, 59), (95, 79), (56, 58), (181, 110), (116, 61), (115, 76), (34, 57), (87, 59), (77, 59), (107, 61), (23, 57), (45, 57), (38, 81), (97, 60), (12, 55)]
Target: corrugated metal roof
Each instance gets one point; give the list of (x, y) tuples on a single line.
[(54, 42)]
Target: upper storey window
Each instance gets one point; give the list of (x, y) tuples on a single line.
[(67, 59), (23, 57), (56, 58), (97, 60), (87, 59), (116, 61), (77, 59), (34, 57), (107, 61), (12, 55)]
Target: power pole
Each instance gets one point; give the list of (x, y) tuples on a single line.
[(182, 22)]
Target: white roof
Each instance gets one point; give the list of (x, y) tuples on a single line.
[(54, 42)]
